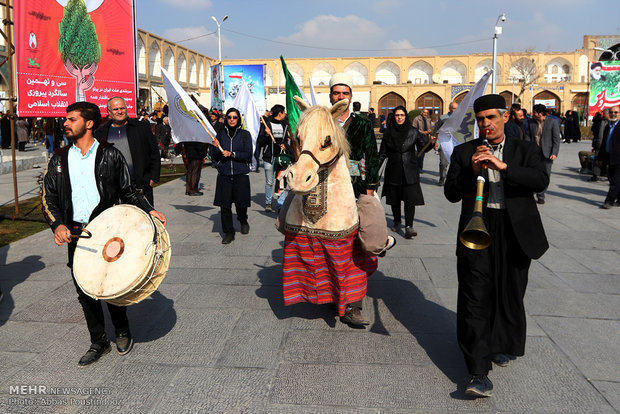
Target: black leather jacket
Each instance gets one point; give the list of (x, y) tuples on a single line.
[(113, 184)]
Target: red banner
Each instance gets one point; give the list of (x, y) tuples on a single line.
[(74, 50)]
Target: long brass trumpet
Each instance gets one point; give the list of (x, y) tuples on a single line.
[(475, 235)]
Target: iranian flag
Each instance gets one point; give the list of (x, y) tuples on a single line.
[(236, 75)]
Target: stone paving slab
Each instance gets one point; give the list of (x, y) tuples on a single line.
[(594, 350)]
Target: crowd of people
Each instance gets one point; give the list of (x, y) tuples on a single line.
[(119, 159)]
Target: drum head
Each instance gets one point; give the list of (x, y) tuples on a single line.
[(117, 255)]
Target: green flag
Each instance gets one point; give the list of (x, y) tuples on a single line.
[(292, 90)]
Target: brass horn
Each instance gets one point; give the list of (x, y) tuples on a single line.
[(475, 235)]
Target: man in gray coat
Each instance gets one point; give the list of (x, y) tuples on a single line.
[(545, 132)]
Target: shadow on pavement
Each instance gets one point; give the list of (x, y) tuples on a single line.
[(12, 274), (150, 319), (431, 324)]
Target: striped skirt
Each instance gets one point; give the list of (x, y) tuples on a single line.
[(323, 271)]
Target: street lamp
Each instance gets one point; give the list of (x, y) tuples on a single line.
[(498, 31), (219, 35)]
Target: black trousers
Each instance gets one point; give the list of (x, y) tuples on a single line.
[(613, 173), (193, 175), (490, 310), (227, 218), (409, 214), (93, 309)]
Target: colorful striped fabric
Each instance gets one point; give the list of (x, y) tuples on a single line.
[(322, 271)]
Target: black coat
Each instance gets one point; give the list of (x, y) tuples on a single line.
[(402, 157), (144, 150), (605, 155), (111, 177), (526, 175)]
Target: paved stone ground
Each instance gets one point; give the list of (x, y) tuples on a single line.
[(217, 338)]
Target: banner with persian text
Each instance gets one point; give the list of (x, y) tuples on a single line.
[(604, 86), (74, 50), (253, 75)]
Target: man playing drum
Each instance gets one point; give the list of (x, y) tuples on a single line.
[(81, 181)]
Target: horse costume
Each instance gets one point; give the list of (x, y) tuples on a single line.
[(323, 261)]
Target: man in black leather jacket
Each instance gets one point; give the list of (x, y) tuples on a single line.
[(77, 188)]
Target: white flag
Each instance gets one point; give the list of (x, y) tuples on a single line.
[(312, 93), (187, 121), (245, 104), (461, 126)]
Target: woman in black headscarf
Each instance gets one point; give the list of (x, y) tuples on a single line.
[(401, 144), (233, 183)]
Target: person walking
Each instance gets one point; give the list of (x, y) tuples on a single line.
[(233, 182), (401, 145)]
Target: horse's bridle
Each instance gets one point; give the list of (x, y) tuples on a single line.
[(315, 159)]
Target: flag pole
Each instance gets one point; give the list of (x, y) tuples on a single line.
[(262, 119), (201, 122)]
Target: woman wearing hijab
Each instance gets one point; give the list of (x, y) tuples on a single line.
[(401, 144), (233, 183)]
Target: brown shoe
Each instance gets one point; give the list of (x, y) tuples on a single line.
[(353, 316)]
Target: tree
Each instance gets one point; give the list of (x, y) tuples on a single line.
[(79, 46), (524, 71)]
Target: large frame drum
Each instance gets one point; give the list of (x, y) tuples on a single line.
[(127, 257)]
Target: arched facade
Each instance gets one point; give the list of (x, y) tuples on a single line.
[(509, 98), (557, 70), (388, 102), (181, 75), (388, 73), (410, 76), (193, 75), (154, 60), (454, 71), (268, 76), (322, 73), (420, 73), (549, 99), (169, 62), (141, 58), (432, 102), (483, 67), (296, 71), (358, 72), (459, 98)]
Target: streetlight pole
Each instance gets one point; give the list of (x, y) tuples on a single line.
[(498, 31), (219, 46)]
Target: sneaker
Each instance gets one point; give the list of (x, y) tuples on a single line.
[(94, 353), (353, 316), (391, 242), (541, 201), (268, 208), (606, 206), (479, 386), (124, 343)]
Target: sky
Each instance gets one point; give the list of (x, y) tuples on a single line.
[(358, 28)]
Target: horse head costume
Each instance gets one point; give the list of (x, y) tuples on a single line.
[(322, 259)]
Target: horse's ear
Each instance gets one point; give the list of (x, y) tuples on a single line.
[(301, 104), (339, 108)]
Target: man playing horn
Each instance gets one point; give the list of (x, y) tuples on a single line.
[(492, 280), (81, 181)]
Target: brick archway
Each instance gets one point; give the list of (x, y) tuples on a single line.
[(549, 99)]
